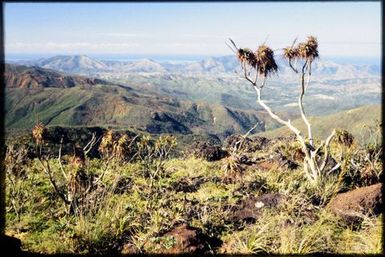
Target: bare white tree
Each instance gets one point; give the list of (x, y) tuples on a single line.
[(261, 63)]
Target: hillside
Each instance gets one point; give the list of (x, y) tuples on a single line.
[(50, 98), (17, 76), (71, 63), (352, 120), (334, 86)]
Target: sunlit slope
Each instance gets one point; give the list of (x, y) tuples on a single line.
[(352, 120)]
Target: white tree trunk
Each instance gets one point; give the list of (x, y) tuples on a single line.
[(310, 164), (300, 103)]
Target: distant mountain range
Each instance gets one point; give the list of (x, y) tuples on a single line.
[(36, 94), (226, 64), (204, 97)]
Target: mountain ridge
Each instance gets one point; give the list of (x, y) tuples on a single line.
[(222, 64), (109, 104), (18, 76)]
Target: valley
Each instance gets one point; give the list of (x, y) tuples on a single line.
[(204, 91)]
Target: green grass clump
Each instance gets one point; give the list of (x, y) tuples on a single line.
[(136, 202)]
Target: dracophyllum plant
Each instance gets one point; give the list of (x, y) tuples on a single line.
[(258, 65)]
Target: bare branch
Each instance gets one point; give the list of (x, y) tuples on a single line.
[(300, 104), (232, 42), (105, 169), (290, 61), (263, 82), (231, 48), (327, 143), (246, 76), (240, 142), (47, 170), (59, 159), (334, 168), (292, 67), (90, 144)]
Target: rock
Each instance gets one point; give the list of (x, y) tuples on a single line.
[(266, 165), (244, 159), (250, 188), (129, 249), (250, 209), (123, 185), (246, 145), (269, 200), (283, 161), (10, 245), (208, 152), (368, 176), (276, 161), (182, 239), (331, 165), (188, 186), (351, 205)]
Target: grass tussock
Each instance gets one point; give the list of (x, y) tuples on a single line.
[(135, 202)]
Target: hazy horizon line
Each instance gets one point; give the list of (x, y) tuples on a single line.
[(155, 54), (172, 57)]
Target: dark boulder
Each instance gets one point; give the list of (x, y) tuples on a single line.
[(352, 204), (247, 144), (11, 246), (275, 161), (208, 152)]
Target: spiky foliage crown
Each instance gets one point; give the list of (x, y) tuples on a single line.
[(107, 142), (265, 60), (343, 137), (122, 146), (290, 53), (309, 49), (245, 55), (39, 133), (123, 140), (306, 50), (78, 159)]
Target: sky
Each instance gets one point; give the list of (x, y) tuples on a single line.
[(342, 28)]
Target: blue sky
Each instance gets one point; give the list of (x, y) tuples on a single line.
[(343, 29)]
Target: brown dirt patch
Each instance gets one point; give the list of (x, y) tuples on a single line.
[(249, 210), (183, 239)]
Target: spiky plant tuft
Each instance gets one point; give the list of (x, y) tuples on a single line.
[(266, 64), (290, 53), (121, 146), (107, 143), (245, 55), (343, 137), (39, 133), (309, 50)]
